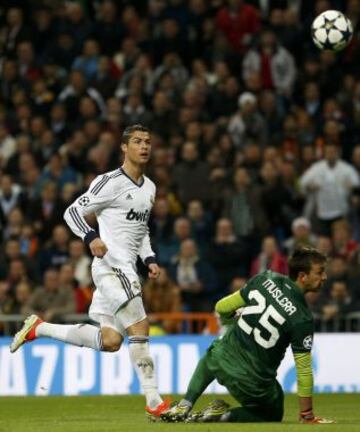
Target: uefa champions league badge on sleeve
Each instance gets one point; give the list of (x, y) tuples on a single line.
[(307, 342), (84, 201)]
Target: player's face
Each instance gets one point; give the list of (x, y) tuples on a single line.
[(314, 280), (138, 148)]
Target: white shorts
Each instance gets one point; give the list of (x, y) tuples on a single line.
[(117, 301)]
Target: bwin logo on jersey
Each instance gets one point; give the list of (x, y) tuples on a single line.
[(138, 216)]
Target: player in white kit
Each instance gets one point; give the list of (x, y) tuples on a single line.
[(122, 201)]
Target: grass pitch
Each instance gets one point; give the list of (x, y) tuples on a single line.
[(126, 414)]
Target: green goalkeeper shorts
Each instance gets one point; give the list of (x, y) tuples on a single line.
[(267, 402)]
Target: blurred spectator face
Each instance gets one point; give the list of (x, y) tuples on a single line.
[(91, 48), (324, 245), (337, 267), (107, 11), (51, 280), (252, 153), (193, 131), (268, 102), (161, 102), (60, 236), (195, 210), (277, 18), (288, 172), (189, 152), (268, 41), (66, 274), (161, 208), (47, 139), (14, 17), (331, 154), (4, 289), (339, 291), (308, 155), (12, 249), (6, 185), (77, 80), (25, 52), (224, 229), (43, 19), (49, 191), (15, 217), (55, 164), (182, 228), (87, 107), (65, 41), (341, 233), (9, 71), (269, 173), (241, 178), (188, 249), (22, 292), (76, 249), (311, 67), (38, 126), (253, 82), (74, 12), (269, 246), (301, 228), (312, 92), (39, 87), (17, 270)]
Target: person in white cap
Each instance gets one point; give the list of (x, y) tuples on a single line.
[(301, 235), (247, 124)]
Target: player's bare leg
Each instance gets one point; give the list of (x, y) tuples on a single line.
[(143, 363)]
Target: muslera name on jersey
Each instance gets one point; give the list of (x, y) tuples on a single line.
[(279, 296)]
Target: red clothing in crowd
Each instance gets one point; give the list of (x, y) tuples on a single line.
[(235, 26)]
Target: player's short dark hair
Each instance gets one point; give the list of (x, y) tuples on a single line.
[(302, 259), (131, 129)]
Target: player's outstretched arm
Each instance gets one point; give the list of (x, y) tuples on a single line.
[(305, 390), (227, 307)]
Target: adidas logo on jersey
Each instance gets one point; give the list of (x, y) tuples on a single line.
[(138, 216), (129, 197)]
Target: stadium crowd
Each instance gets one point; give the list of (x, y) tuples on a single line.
[(256, 145)]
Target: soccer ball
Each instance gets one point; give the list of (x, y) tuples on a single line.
[(331, 30)]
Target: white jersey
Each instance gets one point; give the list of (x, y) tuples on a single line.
[(122, 208)]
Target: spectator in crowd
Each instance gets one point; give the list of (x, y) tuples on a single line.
[(273, 63), (163, 295), (56, 253), (270, 258), (247, 124), (191, 176), (339, 305), (195, 277), (50, 301), (327, 185), (239, 22), (81, 262), (227, 255), (244, 207), (301, 235)]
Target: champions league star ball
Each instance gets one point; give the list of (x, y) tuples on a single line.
[(331, 30)]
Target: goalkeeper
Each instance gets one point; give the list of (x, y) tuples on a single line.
[(246, 358)]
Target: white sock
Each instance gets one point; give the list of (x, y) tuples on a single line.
[(83, 335), (144, 366)]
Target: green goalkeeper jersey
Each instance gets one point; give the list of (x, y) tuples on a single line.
[(275, 315)]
